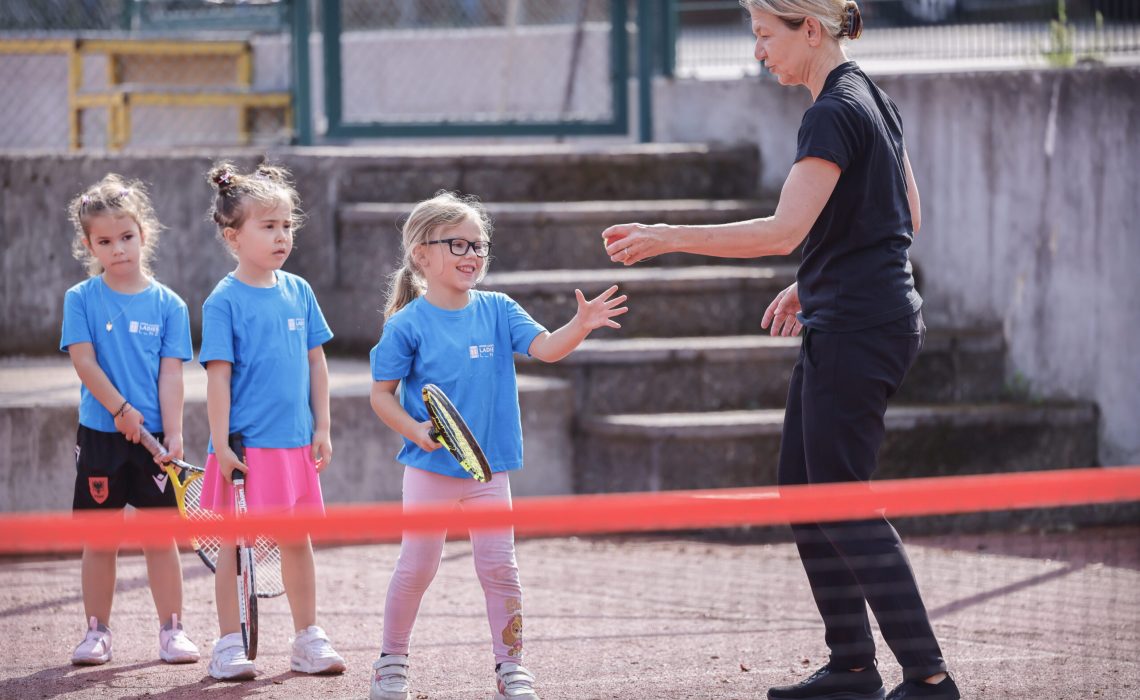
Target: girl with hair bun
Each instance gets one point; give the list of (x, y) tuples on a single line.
[(267, 381)]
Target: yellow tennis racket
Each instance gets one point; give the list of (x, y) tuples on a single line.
[(451, 431)]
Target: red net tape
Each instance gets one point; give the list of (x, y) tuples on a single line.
[(592, 514)]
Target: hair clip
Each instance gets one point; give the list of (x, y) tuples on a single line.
[(84, 200)]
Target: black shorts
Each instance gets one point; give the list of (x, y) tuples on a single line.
[(111, 472)]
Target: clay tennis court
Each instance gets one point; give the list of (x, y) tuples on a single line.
[(1020, 616)]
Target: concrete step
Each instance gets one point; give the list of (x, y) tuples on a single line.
[(685, 301), (533, 235), (639, 452), (547, 173), (38, 406), (717, 373)]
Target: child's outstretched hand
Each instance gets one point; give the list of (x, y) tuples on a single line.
[(600, 310), (423, 438)]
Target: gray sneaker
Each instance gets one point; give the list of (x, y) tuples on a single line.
[(514, 683), (389, 678)]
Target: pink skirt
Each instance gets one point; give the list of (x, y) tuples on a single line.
[(278, 480)]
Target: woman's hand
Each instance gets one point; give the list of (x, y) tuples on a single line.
[(631, 243), (781, 313), (228, 462), (129, 423), (423, 438), (322, 450)]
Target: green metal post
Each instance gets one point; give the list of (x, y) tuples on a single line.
[(669, 38), (302, 94), (330, 34), (645, 35)]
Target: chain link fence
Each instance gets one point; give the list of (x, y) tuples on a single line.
[(115, 74), (714, 40), (438, 62)]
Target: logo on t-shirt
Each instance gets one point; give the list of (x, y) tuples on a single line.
[(482, 351), (296, 324), (143, 328)]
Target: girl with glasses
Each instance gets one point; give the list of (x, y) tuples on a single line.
[(439, 329)]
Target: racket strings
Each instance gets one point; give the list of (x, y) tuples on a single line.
[(266, 553)]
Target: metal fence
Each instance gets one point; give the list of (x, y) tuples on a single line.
[(131, 74), (474, 67), (81, 74), (713, 37)]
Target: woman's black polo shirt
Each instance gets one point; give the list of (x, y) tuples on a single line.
[(856, 272)]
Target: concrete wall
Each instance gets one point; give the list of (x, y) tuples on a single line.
[(1031, 213), (38, 414)]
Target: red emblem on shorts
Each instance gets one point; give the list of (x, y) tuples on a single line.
[(98, 487)]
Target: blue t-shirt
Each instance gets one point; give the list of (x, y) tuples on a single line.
[(469, 354), (145, 327), (266, 333), (856, 270)]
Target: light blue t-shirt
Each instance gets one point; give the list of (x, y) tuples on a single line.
[(266, 333), (145, 327), (469, 353)]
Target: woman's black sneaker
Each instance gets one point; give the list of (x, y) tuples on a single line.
[(832, 684), (910, 690)]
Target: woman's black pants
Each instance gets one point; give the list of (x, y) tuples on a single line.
[(833, 429)]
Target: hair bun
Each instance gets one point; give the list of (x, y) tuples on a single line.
[(853, 22), (223, 178)]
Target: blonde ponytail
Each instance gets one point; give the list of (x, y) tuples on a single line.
[(404, 285)]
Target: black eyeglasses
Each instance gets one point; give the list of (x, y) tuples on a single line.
[(460, 246)]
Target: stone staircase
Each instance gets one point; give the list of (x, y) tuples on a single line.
[(689, 393)]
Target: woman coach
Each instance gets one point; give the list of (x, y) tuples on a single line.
[(851, 194)]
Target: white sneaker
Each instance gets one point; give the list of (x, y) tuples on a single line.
[(389, 678), (514, 683), (312, 653), (95, 648), (228, 662), (174, 647)]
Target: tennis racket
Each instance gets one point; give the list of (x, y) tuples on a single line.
[(187, 481), (451, 431), (246, 569)]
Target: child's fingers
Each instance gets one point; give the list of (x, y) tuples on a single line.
[(618, 311), (617, 300)]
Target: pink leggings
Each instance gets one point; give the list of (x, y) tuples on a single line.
[(420, 554)]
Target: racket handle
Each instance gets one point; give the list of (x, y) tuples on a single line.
[(434, 434), (151, 443)]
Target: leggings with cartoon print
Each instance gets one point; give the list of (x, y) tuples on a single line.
[(421, 552)]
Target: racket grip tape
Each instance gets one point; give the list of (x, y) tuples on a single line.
[(151, 443), (238, 446)]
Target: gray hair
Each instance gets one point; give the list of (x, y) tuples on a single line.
[(839, 18)]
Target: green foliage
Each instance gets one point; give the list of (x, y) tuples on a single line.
[(1060, 53)]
